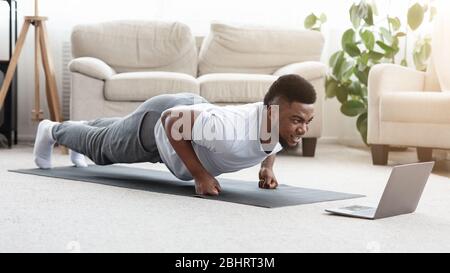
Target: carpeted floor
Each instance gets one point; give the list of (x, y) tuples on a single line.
[(39, 214)]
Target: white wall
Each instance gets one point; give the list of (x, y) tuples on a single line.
[(63, 15)]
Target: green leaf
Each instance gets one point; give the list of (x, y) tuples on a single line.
[(341, 94), (352, 50), (376, 56), (356, 20), (400, 34), (426, 51), (389, 51), (361, 122), (395, 23), (415, 16), (347, 71), (335, 57), (348, 37), (418, 62), (355, 89), (363, 76), (331, 87), (310, 21), (336, 62), (368, 39), (348, 43), (323, 18), (433, 13), (364, 59), (352, 108), (386, 34), (369, 16), (361, 125)]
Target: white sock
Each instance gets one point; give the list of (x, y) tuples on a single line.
[(77, 159), (43, 146)]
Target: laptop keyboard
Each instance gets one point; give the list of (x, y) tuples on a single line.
[(357, 208)]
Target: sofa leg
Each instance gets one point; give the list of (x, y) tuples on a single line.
[(424, 154), (309, 146), (379, 154)]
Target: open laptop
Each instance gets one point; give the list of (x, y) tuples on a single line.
[(401, 195)]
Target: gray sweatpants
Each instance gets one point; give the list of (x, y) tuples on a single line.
[(129, 139)]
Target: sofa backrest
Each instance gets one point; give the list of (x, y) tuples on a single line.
[(256, 49), (138, 45)]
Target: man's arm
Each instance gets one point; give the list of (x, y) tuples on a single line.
[(205, 183), (267, 178)]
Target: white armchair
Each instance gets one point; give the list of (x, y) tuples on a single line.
[(411, 108)]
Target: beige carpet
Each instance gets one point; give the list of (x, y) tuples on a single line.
[(40, 214)]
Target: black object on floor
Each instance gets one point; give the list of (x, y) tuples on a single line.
[(236, 191)]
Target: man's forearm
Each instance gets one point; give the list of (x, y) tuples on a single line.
[(268, 162)]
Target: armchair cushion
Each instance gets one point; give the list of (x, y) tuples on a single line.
[(385, 78), (256, 49), (139, 86), (91, 67), (234, 88)]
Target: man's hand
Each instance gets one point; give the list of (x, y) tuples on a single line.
[(207, 185), (267, 179)]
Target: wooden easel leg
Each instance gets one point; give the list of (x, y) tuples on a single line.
[(37, 114), (47, 92), (52, 94), (51, 87), (12, 66)]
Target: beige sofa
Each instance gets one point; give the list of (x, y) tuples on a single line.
[(412, 108), (118, 65)]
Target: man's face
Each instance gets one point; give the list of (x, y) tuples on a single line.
[(293, 122)]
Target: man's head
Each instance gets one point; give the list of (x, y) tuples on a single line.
[(295, 97)]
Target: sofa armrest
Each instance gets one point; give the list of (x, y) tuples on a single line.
[(92, 67), (308, 70), (388, 78)]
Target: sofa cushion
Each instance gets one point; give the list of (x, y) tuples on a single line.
[(233, 88), (140, 86), (138, 45), (416, 107), (256, 49)]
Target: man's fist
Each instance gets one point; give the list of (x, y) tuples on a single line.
[(207, 185), (267, 179)]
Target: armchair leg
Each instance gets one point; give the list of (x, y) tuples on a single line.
[(380, 154), (424, 154), (309, 146)]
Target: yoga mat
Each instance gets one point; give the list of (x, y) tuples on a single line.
[(236, 191)]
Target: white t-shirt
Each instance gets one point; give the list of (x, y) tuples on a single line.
[(224, 138)]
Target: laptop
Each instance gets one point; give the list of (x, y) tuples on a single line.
[(401, 194)]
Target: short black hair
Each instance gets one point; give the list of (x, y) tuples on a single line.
[(291, 87)]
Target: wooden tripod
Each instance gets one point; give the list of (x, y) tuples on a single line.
[(41, 48)]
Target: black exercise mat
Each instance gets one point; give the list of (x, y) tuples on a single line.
[(236, 191)]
